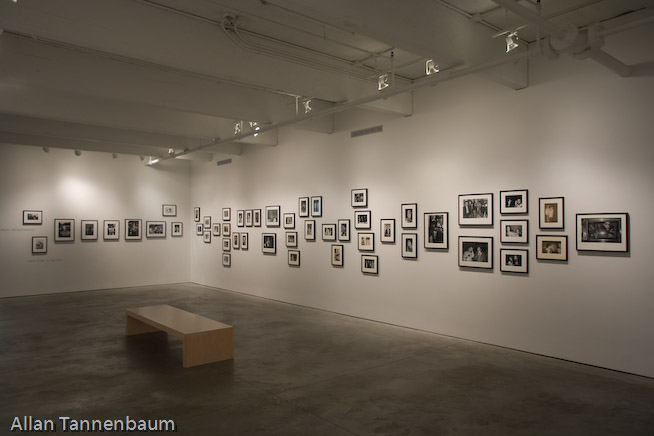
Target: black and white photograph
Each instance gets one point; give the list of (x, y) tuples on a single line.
[(603, 232), (303, 207), (227, 229), (227, 243), (248, 218), (362, 219), (476, 252), (32, 217), (366, 241), (245, 241), (343, 230), (133, 229), (310, 230), (369, 264), (514, 202), (329, 232), (157, 229), (89, 230), (39, 244), (199, 229), (289, 220), (514, 231), (215, 229), (316, 206), (359, 197), (387, 230), (227, 213), (206, 223), (269, 243), (236, 241), (409, 213), (337, 255), (514, 261), (272, 216), (111, 230), (256, 217), (291, 239), (476, 210), (196, 214), (294, 257), (227, 259), (206, 237), (240, 218), (409, 245), (176, 229), (436, 230), (64, 230), (169, 210), (552, 247), (551, 213)]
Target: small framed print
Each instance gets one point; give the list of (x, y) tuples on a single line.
[(337, 255), (552, 247), (236, 241), (343, 230), (206, 223), (64, 230), (89, 230), (196, 214), (310, 230), (206, 237), (360, 197), (294, 257), (215, 229), (514, 202), (603, 232), (177, 228), (514, 261), (289, 220), (303, 207), (387, 231), (291, 239), (272, 216), (551, 213), (409, 245), (227, 260), (316, 206), (227, 243), (199, 229), (111, 230), (409, 216), (227, 229), (240, 218), (227, 214), (329, 232), (256, 217), (514, 231), (244, 241), (269, 243), (39, 244), (157, 229), (133, 229), (476, 210), (369, 264), (32, 217), (436, 230), (476, 252), (248, 218), (366, 241), (362, 219), (169, 210)]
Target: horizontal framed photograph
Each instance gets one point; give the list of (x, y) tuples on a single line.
[(206, 237), (227, 243), (206, 223), (169, 210), (133, 229), (157, 229), (329, 232), (196, 214), (199, 229), (240, 218), (303, 207), (359, 197), (272, 216), (291, 239), (436, 230), (476, 252), (227, 259), (514, 231), (64, 230), (343, 230), (514, 261), (409, 245), (176, 229), (337, 255), (248, 218), (289, 220), (269, 243), (256, 217), (369, 264), (409, 216), (227, 229), (387, 230), (552, 247), (310, 230), (362, 219), (366, 241), (227, 213), (514, 202), (476, 210), (236, 241), (244, 241), (32, 217), (89, 230), (316, 206), (111, 230), (603, 232), (39, 244), (215, 229), (294, 257), (551, 213)]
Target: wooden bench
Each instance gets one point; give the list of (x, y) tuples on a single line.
[(204, 340)]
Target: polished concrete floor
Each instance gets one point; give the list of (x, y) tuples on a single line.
[(297, 371)]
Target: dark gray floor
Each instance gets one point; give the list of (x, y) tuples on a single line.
[(297, 371)]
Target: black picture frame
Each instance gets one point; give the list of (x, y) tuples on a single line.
[(316, 206), (227, 229), (303, 207), (370, 264), (256, 217), (289, 220), (206, 236), (216, 228), (515, 202), (64, 230), (436, 230), (236, 241), (515, 261), (366, 241), (240, 218), (269, 243), (88, 230), (227, 260), (387, 230), (39, 244), (309, 230), (157, 229), (409, 245), (476, 210), (294, 257), (206, 223), (227, 243), (244, 241), (362, 219), (359, 197), (602, 232), (273, 216), (514, 231), (227, 213), (552, 247), (344, 230), (248, 218), (337, 253), (329, 232), (409, 215), (168, 210), (196, 214), (32, 217), (551, 213), (133, 229), (476, 252), (291, 239), (199, 229), (111, 230), (177, 229)]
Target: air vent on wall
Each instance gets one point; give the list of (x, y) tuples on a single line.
[(224, 162), (367, 131)]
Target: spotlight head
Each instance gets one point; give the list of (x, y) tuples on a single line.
[(171, 151), (510, 42), (255, 126), (431, 67), (382, 82), (78, 152), (238, 127), (307, 105), (46, 149), (114, 155)]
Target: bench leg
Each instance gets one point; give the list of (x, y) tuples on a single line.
[(208, 347), (136, 327)]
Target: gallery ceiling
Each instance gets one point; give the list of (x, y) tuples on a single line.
[(146, 76)]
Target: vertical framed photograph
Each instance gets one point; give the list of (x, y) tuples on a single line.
[(64, 230), (236, 241), (244, 241), (603, 232), (157, 229), (240, 218), (343, 230), (199, 229), (269, 243), (387, 231), (552, 247), (227, 213), (227, 260), (133, 229), (551, 213), (169, 210), (289, 220), (409, 245), (294, 257), (206, 237), (514, 202), (291, 239), (227, 229), (366, 241), (514, 261), (196, 214), (272, 216), (436, 230), (476, 252), (227, 243), (215, 229), (248, 218), (316, 206), (337, 255), (111, 230), (409, 216), (39, 244), (256, 217), (206, 223), (329, 232), (176, 229), (310, 230), (476, 210), (89, 230), (303, 207), (369, 264), (359, 197), (362, 219), (514, 231), (32, 217)]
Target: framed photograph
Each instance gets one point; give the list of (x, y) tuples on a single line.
[(64, 230), (289, 220), (206, 222), (310, 230), (436, 230), (291, 239), (476, 252), (337, 255), (409, 216), (329, 232), (366, 241), (343, 230), (157, 229), (133, 229), (248, 218), (303, 207), (227, 229), (272, 216), (387, 231), (199, 229), (236, 241), (514, 202), (316, 206), (196, 214), (294, 257), (33, 218), (369, 264), (176, 229), (514, 231), (39, 244), (244, 241), (89, 230), (256, 217), (111, 230), (240, 218), (227, 259), (551, 213), (206, 237), (169, 210), (269, 243), (603, 232), (409, 245), (514, 261), (215, 229), (227, 213), (362, 219), (476, 210), (360, 197), (552, 247), (227, 243)]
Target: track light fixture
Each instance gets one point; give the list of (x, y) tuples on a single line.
[(382, 82), (78, 152), (152, 160), (510, 42), (255, 126), (307, 105), (431, 67), (238, 127)]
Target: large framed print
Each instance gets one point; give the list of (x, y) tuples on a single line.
[(157, 229), (272, 216), (269, 243), (240, 218), (176, 229), (362, 219), (337, 255), (436, 230), (227, 260), (206, 223), (316, 206), (366, 241), (294, 257), (409, 245), (215, 229), (289, 220), (552, 247), (199, 229), (169, 210), (551, 213), (32, 217), (514, 202), (514, 231), (310, 230), (329, 232), (64, 230), (248, 218), (227, 243), (111, 230), (387, 230), (514, 261), (39, 244), (344, 230), (291, 239), (133, 229), (409, 216), (227, 213), (196, 214), (236, 241), (603, 232), (206, 237), (89, 230), (476, 210), (227, 229), (303, 207), (369, 264), (476, 252), (256, 217), (244, 241), (359, 197)]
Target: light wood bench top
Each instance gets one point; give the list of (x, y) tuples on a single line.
[(174, 320)]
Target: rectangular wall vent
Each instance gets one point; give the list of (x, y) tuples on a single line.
[(224, 162), (367, 131)]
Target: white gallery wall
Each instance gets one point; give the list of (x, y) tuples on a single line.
[(578, 131), (92, 186)]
